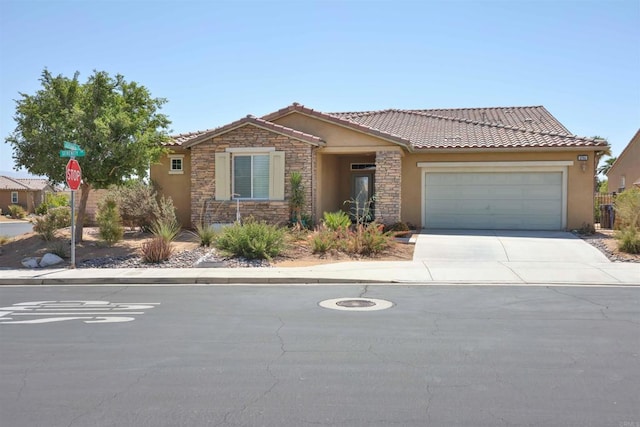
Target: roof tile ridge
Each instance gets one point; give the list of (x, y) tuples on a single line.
[(362, 113), (501, 126), (195, 132), (512, 107)]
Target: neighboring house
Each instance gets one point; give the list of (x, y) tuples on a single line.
[(484, 168), (25, 192), (625, 171)]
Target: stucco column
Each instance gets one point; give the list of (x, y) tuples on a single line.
[(388, 186)]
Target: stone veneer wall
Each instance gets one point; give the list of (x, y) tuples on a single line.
[(299, 157), (388, 180)]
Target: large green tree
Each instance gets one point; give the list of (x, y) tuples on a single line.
[(116, 122)]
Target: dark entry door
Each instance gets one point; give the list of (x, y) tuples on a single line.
[(361, 197)]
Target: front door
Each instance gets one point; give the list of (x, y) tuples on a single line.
[(361, 208)]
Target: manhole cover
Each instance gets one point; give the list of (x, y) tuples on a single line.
[(356, 304)]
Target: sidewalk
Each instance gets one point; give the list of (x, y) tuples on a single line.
[(409, 272)]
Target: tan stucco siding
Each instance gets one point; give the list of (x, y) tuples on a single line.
[(299, 156), (627, 165), (335, 136), (175, 185), (579, 182)]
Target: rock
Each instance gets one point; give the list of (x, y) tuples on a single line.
[(30, 262), (50, 259)]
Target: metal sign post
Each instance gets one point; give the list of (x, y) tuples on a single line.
[(73, 174), (73, 229)]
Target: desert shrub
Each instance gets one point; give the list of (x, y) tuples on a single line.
[(369, 239), (59, 248), (55, 219), (109, 220), (336, 220), (205, 234), (297, 198), (46, 229), (628, 240), (399, 228), (252, 240), (138, 204), (323, 240), (587, 229), (166, 229), (17, 211), (52, 200), (156, 250), (166, 211), (627, 207)]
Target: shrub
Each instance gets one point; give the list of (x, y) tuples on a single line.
[(166, 229), (629, 240), (109, 220), (59, 248), (252, 240), (52, 200), (137, 204), (398, 229), (297, 199), (4, 240), (167, 212), (323, 240), (17, 211), (206, 234), (156, 250), (627, 207), (47, 225), (336, 220), (369, 239)]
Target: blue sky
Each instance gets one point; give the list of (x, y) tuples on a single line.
[(217, 61)]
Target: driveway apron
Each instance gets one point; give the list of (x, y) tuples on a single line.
[(504, 246)]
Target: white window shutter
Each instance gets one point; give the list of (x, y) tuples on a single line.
[(276, 175), (223, 176)]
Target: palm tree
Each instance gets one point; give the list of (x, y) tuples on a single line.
[(604, 168)]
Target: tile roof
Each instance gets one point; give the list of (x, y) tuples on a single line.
[(503, 127), (533, 118), (34, 183), (334, 118), (7, 183), (182, 138), (457, 128), (22, 184)]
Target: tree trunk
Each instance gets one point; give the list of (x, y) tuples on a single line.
[(84, 190)]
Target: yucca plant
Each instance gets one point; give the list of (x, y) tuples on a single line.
[(206, 234)]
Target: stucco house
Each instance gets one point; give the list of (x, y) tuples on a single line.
[(482, 168), (625, 171), (25, 192)]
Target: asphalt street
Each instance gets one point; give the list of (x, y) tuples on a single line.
[(272, 356), (12, 229)]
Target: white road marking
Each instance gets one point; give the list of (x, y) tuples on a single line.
[(60, 311)]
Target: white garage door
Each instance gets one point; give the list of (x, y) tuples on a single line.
[(495, 201)]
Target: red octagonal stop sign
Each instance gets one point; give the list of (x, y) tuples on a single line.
[(73, 174)]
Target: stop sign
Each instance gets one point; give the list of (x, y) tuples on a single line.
[(73, 174)]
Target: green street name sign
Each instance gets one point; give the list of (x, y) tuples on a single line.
[(72, 153), (71, 146)]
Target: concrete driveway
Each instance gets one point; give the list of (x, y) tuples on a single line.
[(504, 246)]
